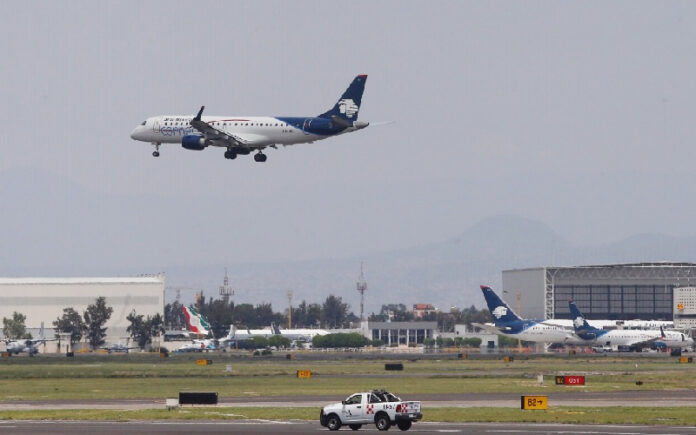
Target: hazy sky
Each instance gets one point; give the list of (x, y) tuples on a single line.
[(577, 114)]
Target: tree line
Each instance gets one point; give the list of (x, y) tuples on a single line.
[(221, 314)]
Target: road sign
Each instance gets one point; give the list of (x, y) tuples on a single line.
[(535, 402)]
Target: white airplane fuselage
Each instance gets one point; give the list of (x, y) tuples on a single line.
[(258, 131)]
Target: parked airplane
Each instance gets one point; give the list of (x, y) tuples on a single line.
[(510, 324), (242, 135), (31, 346), (632, 338), (118, 347)]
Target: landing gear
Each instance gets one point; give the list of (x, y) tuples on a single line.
[(229, 154), (156, 152), (260, 157)]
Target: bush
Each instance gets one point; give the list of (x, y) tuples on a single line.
[(339, 340), (266, 352)]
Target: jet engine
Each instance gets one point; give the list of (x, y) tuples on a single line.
[(193, 142)]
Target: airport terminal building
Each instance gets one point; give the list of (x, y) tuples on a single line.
[(616, 291), (43, 300)]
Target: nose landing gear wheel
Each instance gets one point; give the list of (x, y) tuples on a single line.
[(260, 157), (155, 154)]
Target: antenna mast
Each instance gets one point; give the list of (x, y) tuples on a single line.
[(225, 289), (362, 286), (289, 294)]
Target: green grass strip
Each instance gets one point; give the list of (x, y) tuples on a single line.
[(681, 416)]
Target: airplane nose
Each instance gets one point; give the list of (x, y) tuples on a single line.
[(134, 133)]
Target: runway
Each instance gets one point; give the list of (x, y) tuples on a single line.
[(280, 428), (648, 398)]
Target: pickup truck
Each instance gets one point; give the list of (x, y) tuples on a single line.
[(378, 406)]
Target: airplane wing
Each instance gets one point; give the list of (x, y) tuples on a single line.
[(217, 137), (644, 343), (488, 328)]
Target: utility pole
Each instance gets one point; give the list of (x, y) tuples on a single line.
[(289, 294)]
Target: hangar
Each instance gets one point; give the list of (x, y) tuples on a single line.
[(614, 291), (43, 300)]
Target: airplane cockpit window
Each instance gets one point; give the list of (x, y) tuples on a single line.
[(143, 123)]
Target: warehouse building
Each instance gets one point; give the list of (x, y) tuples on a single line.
[(42, 300), (617, 291)]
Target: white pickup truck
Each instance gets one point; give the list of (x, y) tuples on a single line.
[(379, 407)]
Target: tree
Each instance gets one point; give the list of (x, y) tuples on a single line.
[(333, 312), (70, 323), (142, 330), (352, 339), (14, 328), (174, 316), (279, 341), (96, 315)]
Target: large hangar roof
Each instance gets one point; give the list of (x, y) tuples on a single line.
[(154, 279), (610, 266)]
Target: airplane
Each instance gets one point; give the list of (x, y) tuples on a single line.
[(634, 339), (118, 347), (674, 339), (28, 345), (510, 324), (242, 135)]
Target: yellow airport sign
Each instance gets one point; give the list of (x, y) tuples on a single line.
[(204, 362), (535, 402), (304, 374)]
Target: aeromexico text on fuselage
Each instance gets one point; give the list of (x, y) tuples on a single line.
[(277, 130)]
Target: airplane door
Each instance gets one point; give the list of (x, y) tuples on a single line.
[(307, 125), (156, 126)]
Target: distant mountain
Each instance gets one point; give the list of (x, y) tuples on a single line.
[(52, 227), (446, 273)]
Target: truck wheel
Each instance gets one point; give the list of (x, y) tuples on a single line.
[(382, 421), (404, 425), (333, 422), (355, 426)]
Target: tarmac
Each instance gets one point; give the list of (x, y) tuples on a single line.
[(279, 428), (648, 398)]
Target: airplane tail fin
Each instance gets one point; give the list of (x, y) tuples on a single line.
[(579, 321), (195, 321), (275, 328), (500, 312), (347, 107)]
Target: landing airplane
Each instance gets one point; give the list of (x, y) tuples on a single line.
[(633, 338), (242, 135), (510, 324)]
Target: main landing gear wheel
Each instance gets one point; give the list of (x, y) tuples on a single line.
[(230, 155), (260, 157)]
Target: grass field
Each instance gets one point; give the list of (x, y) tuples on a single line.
[(584, 415), (91, 377)]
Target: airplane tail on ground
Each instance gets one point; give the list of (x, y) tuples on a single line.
[(195, 321), (583, 329), (348, 105), (500, 312)]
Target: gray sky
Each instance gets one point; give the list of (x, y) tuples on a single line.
[(577, 114)]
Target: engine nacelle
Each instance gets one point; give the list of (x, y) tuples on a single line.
[(193, 142)]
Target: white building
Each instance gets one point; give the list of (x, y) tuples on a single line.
[(685, 307), (43, 300)]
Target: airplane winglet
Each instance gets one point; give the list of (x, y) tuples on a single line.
[(200, 112)]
